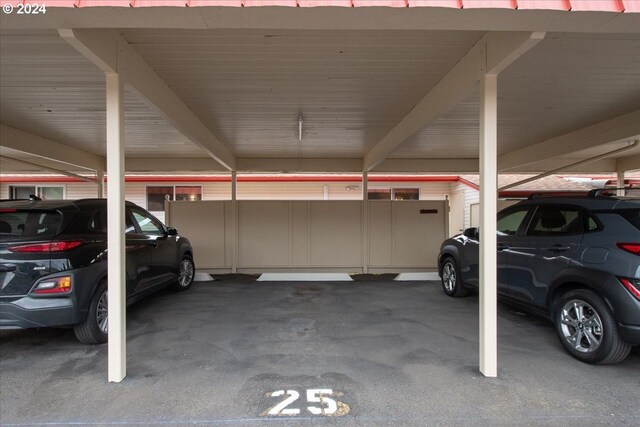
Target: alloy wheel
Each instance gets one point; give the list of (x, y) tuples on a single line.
[(449, 276), (185, 276), (102, 313), (581, 326)]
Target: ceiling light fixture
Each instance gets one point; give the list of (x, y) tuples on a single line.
[(300, 127)]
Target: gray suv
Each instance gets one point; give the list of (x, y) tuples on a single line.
[(575, 260)]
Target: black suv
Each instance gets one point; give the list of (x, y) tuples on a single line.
[(53, 269), (573, 259)]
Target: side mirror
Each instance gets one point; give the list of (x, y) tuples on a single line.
[(172, 231), (472, 233)]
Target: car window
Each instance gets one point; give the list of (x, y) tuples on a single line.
[(631, 215), (147, 223), (32, 224), (509, 222), (555, 220), (98, 222), (592, 224)]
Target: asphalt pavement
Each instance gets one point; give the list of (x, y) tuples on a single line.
[(370, 352)]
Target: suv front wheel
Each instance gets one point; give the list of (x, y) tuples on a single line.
[(451, 278), (587, 329)]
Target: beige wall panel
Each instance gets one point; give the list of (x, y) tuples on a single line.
[(474, 215), (300, 245), (81, 190), (280, 191), (229, 232), (264, 229), (417, 237), (336, 233), (203, 224), (380, 232), (456, 212), (216, 190)]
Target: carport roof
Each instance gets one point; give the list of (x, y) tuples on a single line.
[(248, 76), (621, 6)]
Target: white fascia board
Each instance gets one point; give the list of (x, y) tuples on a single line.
[(28, 143), (616, 129), (110, 52), (491, 54)]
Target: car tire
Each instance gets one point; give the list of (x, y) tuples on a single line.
[(452, 279), (186, 274), (94, 329), (587, 329)]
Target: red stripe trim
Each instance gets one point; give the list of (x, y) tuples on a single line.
[(247, 178), (468, 183), (35, 179), (213, 178)]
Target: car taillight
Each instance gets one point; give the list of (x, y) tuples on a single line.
[(634, 248), (632, 285), (47, 247), (56, 285)]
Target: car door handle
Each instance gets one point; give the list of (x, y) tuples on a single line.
[(502, 247), (153, 244), (558, 248)]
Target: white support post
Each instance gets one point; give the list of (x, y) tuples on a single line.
[(234, 216), (116, 225), (620, 184), (488, 240), (365, 222), (100, 182)]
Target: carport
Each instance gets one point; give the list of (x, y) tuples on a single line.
[(404, 87)]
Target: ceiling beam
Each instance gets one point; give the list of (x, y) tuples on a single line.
[(49, 169), (448, 166), (630, 163), (350, 165), (598, 166), (156, 165), (110, 52), (28, 143), (299, 165), (491, 54), (616, 129), (471, 166)]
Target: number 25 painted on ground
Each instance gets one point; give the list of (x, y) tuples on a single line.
[(313, 396)]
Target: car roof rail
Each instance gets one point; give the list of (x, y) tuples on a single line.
[(600, 192), (542, 194)]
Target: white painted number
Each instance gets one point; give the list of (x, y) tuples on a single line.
[(321, 396), (279, 409)]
